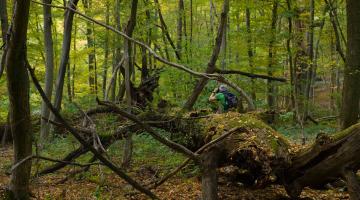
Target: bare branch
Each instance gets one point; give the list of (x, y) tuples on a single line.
[(251, 75), (173, 145), (51, 160), (96, 153)]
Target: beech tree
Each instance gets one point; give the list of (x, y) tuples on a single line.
[(351, 94), (18, 88)]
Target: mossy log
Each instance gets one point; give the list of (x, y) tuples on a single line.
[(262, 155), (328, 159)]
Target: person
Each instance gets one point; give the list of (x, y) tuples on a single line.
[(218, 99)]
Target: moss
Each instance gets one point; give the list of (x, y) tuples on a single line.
[(258, 133), (346, 132)]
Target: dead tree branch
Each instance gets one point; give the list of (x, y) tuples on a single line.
[(96, 153), (173, 145)]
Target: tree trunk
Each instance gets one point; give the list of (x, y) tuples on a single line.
[(4, 19), (90, 45), (49, 72), (106, 47), (65, 51), (4, 30), (270, 86), (117, 53), (290, 55), (353, 185), (180, 24), (215, 54), (209, 179), (18, 88), (351, 93), (129, 65), (165, 30), (68, 81), (250, 49)]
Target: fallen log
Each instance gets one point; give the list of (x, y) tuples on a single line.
[(328, 159), (261, 155), (266, 156)]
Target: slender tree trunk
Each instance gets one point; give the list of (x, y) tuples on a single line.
[(74, 61), (336, 30), (165, 30), (90, 44), (4, 30), (180, 27), (117, 53), (211, 65), (212, 17), (271, 97), (106, 47), (65, 51), (49, 72), (310, 53), (68, 82), (4, 19), (351, 93), (250, 49), (18, 88), (290, 55), (128, 65)]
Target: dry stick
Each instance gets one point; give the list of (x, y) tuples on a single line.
[(203, 148), (173, 145), (159, 58), (96, 153), (52, 160)]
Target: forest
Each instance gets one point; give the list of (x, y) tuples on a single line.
[(180, 99)]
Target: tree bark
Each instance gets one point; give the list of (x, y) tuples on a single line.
[(351, 93), (165, 30), (129, 66), (290, 55), (65, 51), (215, 54), (106, 47), (181, 14), (353, 185), (90, 45), (49, 72), (4, 19), (209, 178), (117, 52), (271, 97), (18, 88), (250, 51), (4, 30)]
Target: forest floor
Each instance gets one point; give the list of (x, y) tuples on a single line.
[(100, 183)]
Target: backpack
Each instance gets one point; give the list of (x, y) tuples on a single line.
[(231, 99)]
